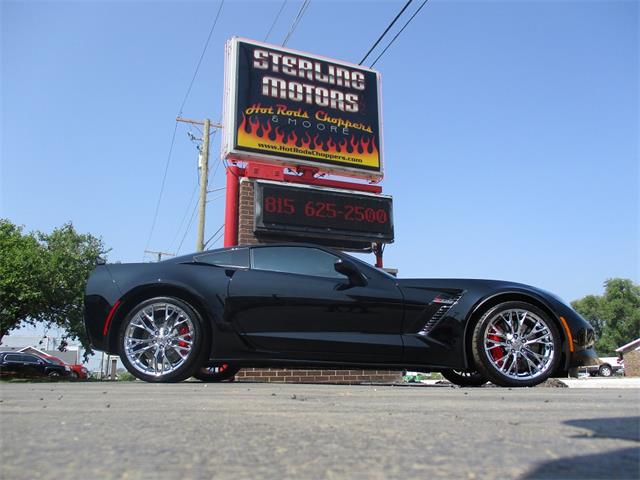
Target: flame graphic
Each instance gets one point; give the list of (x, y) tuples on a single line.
[(355, 151)]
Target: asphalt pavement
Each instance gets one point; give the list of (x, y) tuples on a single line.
[(134, 430)]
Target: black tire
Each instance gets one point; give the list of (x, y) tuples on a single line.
[(185, 366), (605, 371), (53, 375), (74, 376), (497, 338), (469, 378), (216, 373)]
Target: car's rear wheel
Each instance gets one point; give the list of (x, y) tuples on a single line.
[(465, 378), (605, 371), (516, 344), (218, 372), (161, 340)]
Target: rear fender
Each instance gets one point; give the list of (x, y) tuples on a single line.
[(210, 315)]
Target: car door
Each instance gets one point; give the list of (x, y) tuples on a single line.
[(33, 366), (294, 304), (12, 365)]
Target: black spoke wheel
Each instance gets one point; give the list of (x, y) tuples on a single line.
[(162, 340), (218, 372), (516, 344), (465, 378)]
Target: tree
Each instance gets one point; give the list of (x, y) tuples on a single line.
[(615, 316), (42, 278)]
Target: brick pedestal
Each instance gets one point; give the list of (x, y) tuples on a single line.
[(348, 377)]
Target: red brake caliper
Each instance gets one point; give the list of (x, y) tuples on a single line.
[(183, 331), (497, 352)]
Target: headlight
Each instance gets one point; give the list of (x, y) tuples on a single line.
[(84, 370)]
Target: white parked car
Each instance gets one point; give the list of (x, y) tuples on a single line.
[(607, 367)]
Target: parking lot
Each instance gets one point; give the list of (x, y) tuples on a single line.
[(195, 430)]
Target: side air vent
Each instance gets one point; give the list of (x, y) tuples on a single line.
[(445, 305)]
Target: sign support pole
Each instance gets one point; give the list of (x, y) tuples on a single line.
[(231, 207), (377, 249)]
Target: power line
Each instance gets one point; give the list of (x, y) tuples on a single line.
[(193, 214), (385, 31), (398, 34), (175, 129), (184, 217), (164, 179), (275, 20), (204, 50), (217, 239), (211, 238), (186, 212), (296, 21)]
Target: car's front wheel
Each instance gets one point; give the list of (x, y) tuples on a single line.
[(465, 378), (216, 373), (161, 340), (516, 344)]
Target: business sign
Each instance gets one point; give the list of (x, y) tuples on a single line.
[(293, 108), (322, 214)]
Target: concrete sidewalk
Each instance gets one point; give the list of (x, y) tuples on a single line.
[(595, 382), (592, 382)]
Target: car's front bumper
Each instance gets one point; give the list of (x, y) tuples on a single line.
[(583, 358)]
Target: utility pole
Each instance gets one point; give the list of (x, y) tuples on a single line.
[(204, 178), (160, 254), (203, 165)]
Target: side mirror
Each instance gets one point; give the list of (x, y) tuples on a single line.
[(351, 272)]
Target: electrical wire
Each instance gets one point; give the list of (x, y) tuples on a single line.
[(175, 129), (204, 50), (218, 239), (184, 217), (385, 31), (164, 179), (193, 214), (174, 241), (296, 21), (398, 34), (211, 237), (275, 20)]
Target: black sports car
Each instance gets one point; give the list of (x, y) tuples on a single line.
[(210, 313)]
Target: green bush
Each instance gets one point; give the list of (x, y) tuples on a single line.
[(126, 377)]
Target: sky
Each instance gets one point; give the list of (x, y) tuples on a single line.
[(510, 127)]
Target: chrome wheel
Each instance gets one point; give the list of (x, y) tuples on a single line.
[(519, 344), (159, 338)]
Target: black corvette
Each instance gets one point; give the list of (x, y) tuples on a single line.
[(211, 313)]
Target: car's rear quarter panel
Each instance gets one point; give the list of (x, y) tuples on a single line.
[(202, 286)]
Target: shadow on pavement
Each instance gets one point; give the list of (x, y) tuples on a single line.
[(622, 428), (623, 463)]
